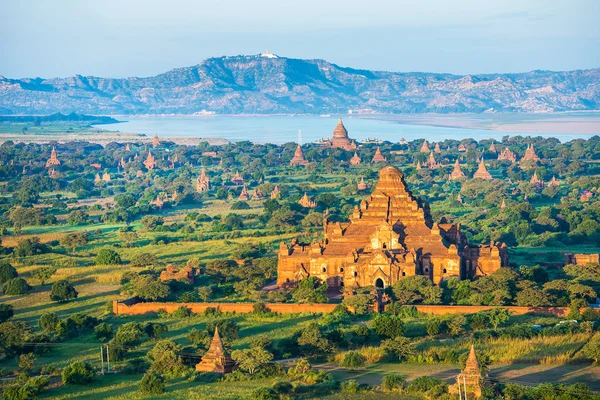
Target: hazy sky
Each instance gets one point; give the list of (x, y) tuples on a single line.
[(119, 38)]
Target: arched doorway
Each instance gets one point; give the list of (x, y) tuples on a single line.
[(379, 283)]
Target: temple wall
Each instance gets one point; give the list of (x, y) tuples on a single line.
[(127, 308), (121, 308)]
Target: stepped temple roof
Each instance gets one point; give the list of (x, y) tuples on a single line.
[(340, 139), (155, 141), (530, 154), (482, 172), (535, 181), (275, 192), (203, 182), (553, 182), (150, 162), (306, 202), (437, 148), (425, 147), (388, 236), (492, 148), (237, 179), (378, 157), (362, 185), (507, 154), (355, 160), (216, 358), (245, 196), (298, 158), (456, 172), (53, 160)]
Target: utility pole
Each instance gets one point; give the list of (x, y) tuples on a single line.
[(459, 389), (108, 358), (465, 384), (102, 358)]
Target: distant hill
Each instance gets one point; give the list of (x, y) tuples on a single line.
[(58, 117), (261, 85)]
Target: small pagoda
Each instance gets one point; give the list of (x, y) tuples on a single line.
[(155, 141), (535, 181), (470, 381), (418, 165), (355, 160), (53, 173), (503, 205), (122, 163), (97, 179), (507, 154), (306, 202), (553, 182), (493, 148), (127, 147), (275, 192), (431, 163), (244, 196), (216, 359), (378, 157), (457, 172), (459, 198), (150, 162), (237, 179), (202, 182), (362, 185), (257, 195), (462, 147), (106, 177), (482, 172), (298, 158), (53, 160), (425, 147), (437, 148), (530, 154)]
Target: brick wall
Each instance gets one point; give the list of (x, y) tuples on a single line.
[(129, 307), (121, 308)]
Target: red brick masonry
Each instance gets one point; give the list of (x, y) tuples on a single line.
[(121, 308)]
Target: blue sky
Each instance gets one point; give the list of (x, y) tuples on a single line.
[(118, 38)]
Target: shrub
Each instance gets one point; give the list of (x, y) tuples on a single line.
[(16, 286), (116, 352), (143, 260), (388, 326), (107, 256), (7, 272), (400, 347), (63, 291), (103, 331), (240, 205), (26, 362), (155, 330), (353, 360), (265, 394), (283, 387), (6, 312), (424, 384), (349, 386), (393, 382), (228, 329), (136, 366), (78, 372), (152, 383), (433, 326), (129, 334), (181, 312)]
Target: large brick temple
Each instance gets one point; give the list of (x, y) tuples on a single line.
[(389, 236)]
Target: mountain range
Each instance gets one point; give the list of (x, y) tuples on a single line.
[(278, 85)]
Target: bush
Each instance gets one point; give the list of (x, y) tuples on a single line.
[(6, 312), (424, 384), (78, 372), (240, 205), (7, 272), (265, 394), (283, 387), (129, 334), (181, 312), (349, 386), (388, 326), (107, 256), (103, 331), (393, 382), (353, 360), (63, 291), (143, 260), (152, 383), (433, 326), (16, 286)]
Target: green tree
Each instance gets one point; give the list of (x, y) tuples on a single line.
[(143, 260), (78, 217), (16, 286), (388, 326), (63, 290), (7, 272), (107, 256), (6, 312), (129, 334), (148, 287), (252, 359), (74, 240), (48, 322), (78, 372), (592, 350), (205, 292), (151, 222), (310, 290), (400, 347), (44, 273), (27, 362), (498, 316), (103, 331), (353, 360), (152, 383), (128, 237), (165, 358)]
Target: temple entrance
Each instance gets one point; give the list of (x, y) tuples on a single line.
[(379, 283)]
